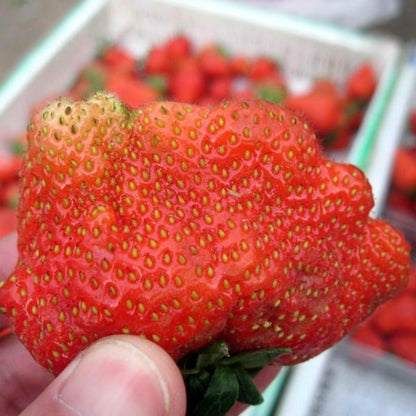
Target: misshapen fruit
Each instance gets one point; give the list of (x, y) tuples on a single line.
[(188, 225)]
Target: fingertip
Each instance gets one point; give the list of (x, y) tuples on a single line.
[(118, 375), (167, 370)]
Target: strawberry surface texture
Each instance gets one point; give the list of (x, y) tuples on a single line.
[(190, 225)]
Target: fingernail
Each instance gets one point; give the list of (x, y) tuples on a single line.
[(114, 378)]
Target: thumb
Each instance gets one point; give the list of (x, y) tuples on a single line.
[(117, 376)]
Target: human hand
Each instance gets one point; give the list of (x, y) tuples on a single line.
[(118, 375)]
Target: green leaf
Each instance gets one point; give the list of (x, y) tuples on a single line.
[(159, 83), (215, 381), (220, 396), (247, 390), (255, 359), (199, 383), (196, 386)]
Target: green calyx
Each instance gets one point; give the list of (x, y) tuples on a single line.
[(216, 380), (95, 82), (270, 93), (159, 83)]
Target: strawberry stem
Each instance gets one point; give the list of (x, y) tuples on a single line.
[(215, 380)]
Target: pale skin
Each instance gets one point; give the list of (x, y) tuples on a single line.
[(119, 376)]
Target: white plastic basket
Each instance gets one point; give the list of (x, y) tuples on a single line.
[(354, 380), (394, 132)]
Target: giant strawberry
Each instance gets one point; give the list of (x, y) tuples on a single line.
[(224, 228)]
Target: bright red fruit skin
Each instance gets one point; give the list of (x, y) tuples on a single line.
[(404, 345), (187, 225), (397, 315), (366, 335), (362, 83), (321, 110), (404, 170), (131, 90)]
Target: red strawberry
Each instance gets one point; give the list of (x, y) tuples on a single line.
[(131, 90), (399, 201), (239, 65), (213, 62), (321, 110), (404, 345), (119, 59), (325, 86), (404, 170), (187, 84), (366, 335), (349, 114), (178, 48), (158, 61), (223, 228), (220, 89), (262, 68), (398, 314), (362, 82)]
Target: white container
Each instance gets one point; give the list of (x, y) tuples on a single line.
[(396, 132), (347, 13)]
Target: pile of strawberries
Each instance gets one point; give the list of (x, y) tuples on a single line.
[(176, 70), (179, 71), (392, 327)]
